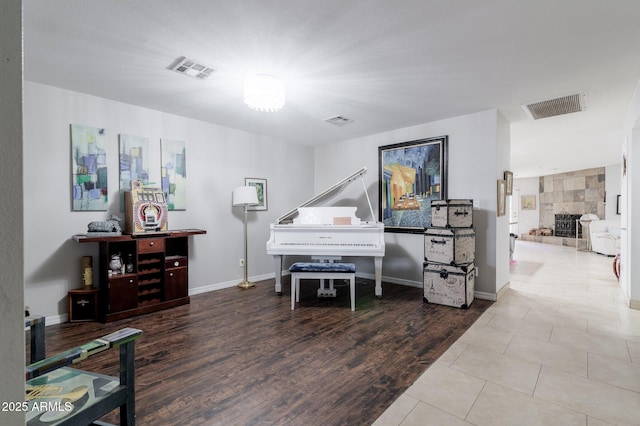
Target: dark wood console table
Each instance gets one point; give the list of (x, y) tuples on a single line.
[(160, 274)]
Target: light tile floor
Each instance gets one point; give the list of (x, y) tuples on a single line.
[(561, 347)]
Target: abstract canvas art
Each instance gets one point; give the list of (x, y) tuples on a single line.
[(173, 173), (89, 184), (134, 162)]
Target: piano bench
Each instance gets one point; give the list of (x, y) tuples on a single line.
[(322, 271)]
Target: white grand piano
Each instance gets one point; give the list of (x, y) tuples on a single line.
[(327, 233)]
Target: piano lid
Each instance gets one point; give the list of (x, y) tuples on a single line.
[(288, 217)]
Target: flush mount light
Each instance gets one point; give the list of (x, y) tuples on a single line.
[(264, 92)]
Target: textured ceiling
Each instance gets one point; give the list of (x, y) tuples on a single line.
[(384, 64)]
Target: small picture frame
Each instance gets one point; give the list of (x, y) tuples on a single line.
[(508, 177), (618, 204), (261, 188), (502, 198), (528, 202)]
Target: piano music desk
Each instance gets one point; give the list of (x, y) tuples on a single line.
[(322, 271)]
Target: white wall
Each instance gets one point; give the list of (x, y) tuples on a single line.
[(613, 188), (501, 234), (632, 225), (478, 156), (12, 333), (630, 248), (218, 159), (528, 219)]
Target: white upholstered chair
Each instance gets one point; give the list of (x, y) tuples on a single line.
[(605, 236)]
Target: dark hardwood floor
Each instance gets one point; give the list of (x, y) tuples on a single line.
[(242, 357)]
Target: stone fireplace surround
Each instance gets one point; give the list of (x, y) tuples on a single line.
[(578, 192), (572, 193)]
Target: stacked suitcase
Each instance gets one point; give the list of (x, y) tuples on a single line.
[(449, 254)]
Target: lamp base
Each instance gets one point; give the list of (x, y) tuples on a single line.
[(246, 284)]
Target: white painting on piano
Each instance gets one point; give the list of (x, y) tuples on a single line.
[(412, 174)]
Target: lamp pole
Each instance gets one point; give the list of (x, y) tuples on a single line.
[(246, 284)]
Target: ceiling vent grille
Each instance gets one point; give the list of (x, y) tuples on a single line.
[(557, 106), (192, 68), (338, 120)]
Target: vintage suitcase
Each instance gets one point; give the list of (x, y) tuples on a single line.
[(452, 213), (449, 285), (450, 245)]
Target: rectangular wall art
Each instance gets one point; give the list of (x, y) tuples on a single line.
[(134, 162), (528, 202), (173, 173), (89, 189), (508, 177), (501, 209), (411, 175), (261, 188)]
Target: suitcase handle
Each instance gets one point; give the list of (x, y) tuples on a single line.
[(444, 274), (443, 242), (459, 213)]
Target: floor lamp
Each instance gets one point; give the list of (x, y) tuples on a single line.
[(245, 196)]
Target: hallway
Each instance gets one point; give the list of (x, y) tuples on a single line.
[(559, 348)]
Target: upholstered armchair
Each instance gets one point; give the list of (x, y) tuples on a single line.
[(605, 236)]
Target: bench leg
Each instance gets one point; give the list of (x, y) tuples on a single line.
[(37, 342), (352, 290), (294, 284), (127, 378)]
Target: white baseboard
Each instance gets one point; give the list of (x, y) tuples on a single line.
[(391, 280), (485, 296), (634, 304), (56, 319), (232, 283)]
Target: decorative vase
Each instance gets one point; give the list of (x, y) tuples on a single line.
[(116, 263), (87, 272)]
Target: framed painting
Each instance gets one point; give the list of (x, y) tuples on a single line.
[(134, 162), (411, 175), (261, 188), (528, 202), (173, 173), (502, 197), (508, 177), (89, 183)]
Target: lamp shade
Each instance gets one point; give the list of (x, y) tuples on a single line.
[(245, 196)]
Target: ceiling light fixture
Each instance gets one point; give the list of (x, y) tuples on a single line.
[(264, 92)]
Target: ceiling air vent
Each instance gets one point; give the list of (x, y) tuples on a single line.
[(192, 68), (338, 120), (557, 106)]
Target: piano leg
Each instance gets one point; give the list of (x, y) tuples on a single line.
[(277, 263), (377, 262)]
